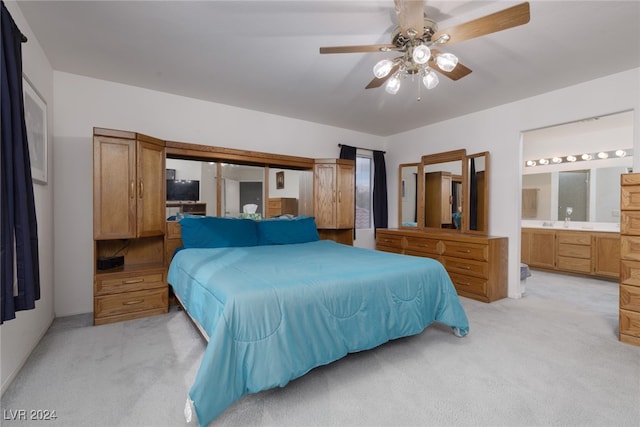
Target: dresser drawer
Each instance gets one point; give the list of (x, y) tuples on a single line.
[(575, 251), (474, 285), (630, 222), (466, 250), (630, 298), (630, 247), (389, 240), (119, 284), (630, 197), (630, 323), (139, 301), (466, 267), (423, 245), (579, 265), (392, 249), (630, 273), (574, 238)]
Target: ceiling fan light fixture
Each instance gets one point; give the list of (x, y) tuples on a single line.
[(430, 79), (382, 68), (447, 61), (421, 54), (393, 85)]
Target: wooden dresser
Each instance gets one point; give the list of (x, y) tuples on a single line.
[(281, 206), (630, 259), (476, 264)]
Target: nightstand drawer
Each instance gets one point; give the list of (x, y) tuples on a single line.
[(140, 301), (173, 230), (119, 284)]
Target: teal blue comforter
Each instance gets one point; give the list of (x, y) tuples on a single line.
[(273, 313)]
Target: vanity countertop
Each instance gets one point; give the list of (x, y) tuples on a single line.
[(605, 227)]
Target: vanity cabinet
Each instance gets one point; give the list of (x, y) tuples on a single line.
[(572, 251), (629, 314), (334, 200), (128, 221), (477, 264), (538, 248)]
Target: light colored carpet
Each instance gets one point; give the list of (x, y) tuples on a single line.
[(551, 358)]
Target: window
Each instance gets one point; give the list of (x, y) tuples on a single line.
[(364, 191)]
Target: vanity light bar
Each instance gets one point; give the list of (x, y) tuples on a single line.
[(601, 155)]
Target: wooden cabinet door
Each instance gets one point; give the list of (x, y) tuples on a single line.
[(325, 195), (150, 189), (114, 188), (345, 209), (525, 246), (606, 255), (542, 249)]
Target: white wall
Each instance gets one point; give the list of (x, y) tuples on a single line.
[(20, 335), (498, 130), (82, 103)]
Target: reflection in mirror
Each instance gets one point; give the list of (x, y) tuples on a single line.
[(591, 195), (443, 195), (242, 190), (408, 195), (478, 192), (242, 186), (194, 171)]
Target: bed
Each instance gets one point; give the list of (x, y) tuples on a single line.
[(276, 305)]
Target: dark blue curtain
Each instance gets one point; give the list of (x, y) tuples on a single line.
[(380, 205), (349, 153), (19, 238), (473, 196)]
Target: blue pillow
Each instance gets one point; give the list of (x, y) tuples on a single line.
[(217, 232), (286, 231)]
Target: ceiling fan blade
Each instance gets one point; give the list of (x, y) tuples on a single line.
[(358, 49), (410, 16), (456, 74), (376, 82), (505, 19)]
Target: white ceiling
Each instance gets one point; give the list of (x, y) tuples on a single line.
[(263, 55)]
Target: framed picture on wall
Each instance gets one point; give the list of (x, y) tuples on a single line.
[(280, 180), (35, 116)]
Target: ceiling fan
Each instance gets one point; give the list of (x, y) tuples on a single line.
[(417, 37)]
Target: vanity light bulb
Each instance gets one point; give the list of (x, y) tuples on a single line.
[(603, 155), (544, 161), (571, 158), (621, 153), (556, 160), (531, 163), (586, 157)]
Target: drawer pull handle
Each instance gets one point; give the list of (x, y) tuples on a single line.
[(387, 240), (137, 301), (464, 267), (129, 282), (464, 251), (464, 283)]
